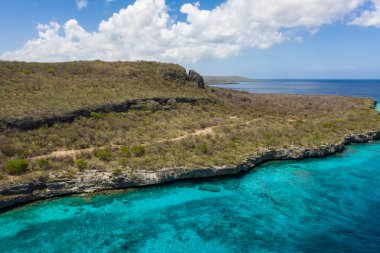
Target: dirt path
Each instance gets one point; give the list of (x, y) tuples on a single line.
[(74, 152)]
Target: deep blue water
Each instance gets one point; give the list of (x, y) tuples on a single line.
[(314, 205), (359, 88)]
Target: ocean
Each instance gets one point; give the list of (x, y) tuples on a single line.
[(358, 88), (314, 205)]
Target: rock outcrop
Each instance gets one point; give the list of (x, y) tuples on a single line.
[(194, 76), (29, 123), (93, 180), (173, 73)]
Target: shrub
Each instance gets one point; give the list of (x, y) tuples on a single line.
[(104, 155), (8, 150), (95, 115), (124, 151), (26, 72), (202, 148), (116, 171), (138, 151), (43, 164), (16, 167), (80, 163), (122, 161)]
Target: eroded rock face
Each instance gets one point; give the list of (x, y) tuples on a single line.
[(173, 73), (93, 180), (196, 77), (136, 104)]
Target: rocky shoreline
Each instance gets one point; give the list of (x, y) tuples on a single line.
[(93, 181)]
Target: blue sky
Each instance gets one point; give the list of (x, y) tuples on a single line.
[(340, 41)]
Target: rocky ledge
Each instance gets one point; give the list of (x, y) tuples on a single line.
[(30, 123), (93, 180)]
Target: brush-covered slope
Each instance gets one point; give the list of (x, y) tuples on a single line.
[(37, 90)]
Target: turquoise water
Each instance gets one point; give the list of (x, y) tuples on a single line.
[(315, 205)]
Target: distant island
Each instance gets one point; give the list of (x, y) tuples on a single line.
[(226, 79), (80, 127)]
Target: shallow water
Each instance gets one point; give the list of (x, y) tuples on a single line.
[(330, 205)]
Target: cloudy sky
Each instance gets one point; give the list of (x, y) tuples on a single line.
[(255, 38)]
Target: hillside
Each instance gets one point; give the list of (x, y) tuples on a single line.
[(36, 90), (132, 118)]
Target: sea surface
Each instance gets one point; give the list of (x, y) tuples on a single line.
[(358, 88), (315, 205)]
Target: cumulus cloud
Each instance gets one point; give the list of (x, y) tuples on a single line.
[(369, 17), (144, 30), (81, 4)]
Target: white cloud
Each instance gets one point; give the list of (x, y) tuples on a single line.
[(369, 17), (81, 4), (144, 30)]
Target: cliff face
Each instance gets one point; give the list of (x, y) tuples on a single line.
[(92, 180), (194, 76)]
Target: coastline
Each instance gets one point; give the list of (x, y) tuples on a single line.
[(95, 181)]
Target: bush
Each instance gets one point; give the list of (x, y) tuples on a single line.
[(327, 124), (116, 171), (9, 150), (202, 148), (16, 167), (104, 155), (80, 163), (95, 115), (44, 164), (26, 72), (138, 151), (124, 151)]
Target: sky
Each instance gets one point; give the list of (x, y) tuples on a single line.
[(326, 39)]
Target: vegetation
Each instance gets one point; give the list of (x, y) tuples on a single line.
[(95, 115), (235, 126), (40, 89), (16, 166), (104, 155), (138, 151), (80, 163)]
